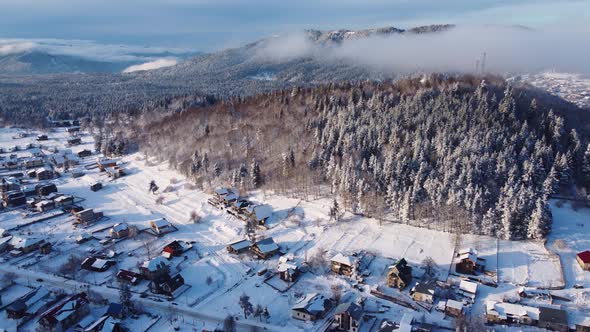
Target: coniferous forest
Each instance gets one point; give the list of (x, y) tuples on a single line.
[(461, 154)]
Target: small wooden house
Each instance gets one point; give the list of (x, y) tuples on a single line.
[(468, 263), (115, 172), (468, 290), (84, 153), (583, 258), (14, 198), (399, 275), (27, 305), (96, 264), (176, 249), (259, 213), (46, 248), (42, 137), (74, 141), (65, 314), (288, 271), (155, 268), (344, 265), (86, 216), (239, 247), (312, 307), (265, 249), (423, 291), (103, 164), (454, 308), (25, 245), (57, 160), (510, 313), (161, 226), (83, 237), (72, 129), (33, 162), (119, 231), (129, 276), (10, 184), (167, 285), (64, 200), (44, 174), (348, 317), (44, 205), (45, 189)]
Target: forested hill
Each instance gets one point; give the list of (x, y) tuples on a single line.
[(460, 154)]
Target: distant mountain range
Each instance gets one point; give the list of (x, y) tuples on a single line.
[(242, 59), (34, 62), (278, 62), (339, 36)]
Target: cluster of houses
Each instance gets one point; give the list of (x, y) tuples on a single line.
[(17, 246), (159, 271), (73, 314), (110, 167), (229, 199), (549, 318), (162, 280), (262, 249)]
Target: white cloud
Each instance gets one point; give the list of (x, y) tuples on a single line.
[(15, 47), (160, 63), (87, 49), (509, 49)]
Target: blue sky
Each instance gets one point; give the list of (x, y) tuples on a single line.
[(214, 24)]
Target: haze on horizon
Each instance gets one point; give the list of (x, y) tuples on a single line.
[(208, 25)]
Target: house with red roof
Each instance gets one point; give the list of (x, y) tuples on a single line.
[(583, 259)]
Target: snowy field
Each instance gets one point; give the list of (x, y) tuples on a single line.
[(300, 228), (528, 263)]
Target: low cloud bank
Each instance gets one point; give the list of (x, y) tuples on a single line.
[(508, 49), (88, 49), (160, 63)]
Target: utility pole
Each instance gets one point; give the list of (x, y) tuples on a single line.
[(483, 63)]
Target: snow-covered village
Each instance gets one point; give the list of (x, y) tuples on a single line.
[(294, 166), (90, 243)]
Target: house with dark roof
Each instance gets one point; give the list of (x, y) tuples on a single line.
[(105, 324), (114, 310), (583, 258), (166, 284), (29, 304), (312, 307), (348, 317), (553, 319), (155, 268), (265, 249), (423, 291), (129, 276), (399, 275), (96, 264), (239, 247), (468, 262), (65, 314)]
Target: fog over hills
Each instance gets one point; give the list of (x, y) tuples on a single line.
[(296, 59), (53, 56)]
